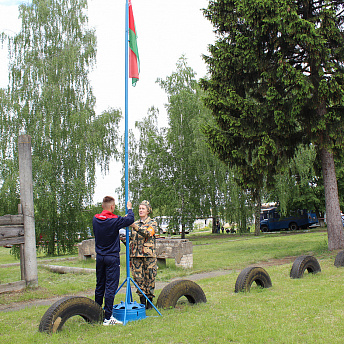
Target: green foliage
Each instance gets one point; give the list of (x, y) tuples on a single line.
[(242, 101), (278, 65), (297, 184), (173, 167), (50, 99), (184, 107)]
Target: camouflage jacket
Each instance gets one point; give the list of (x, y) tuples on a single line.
[(142, 238)]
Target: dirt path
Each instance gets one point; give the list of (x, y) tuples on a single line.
[(17, 306)]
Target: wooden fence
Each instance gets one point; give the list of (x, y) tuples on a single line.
[(12, 233)]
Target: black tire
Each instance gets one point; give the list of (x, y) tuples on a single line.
[(339, 261), (170, 295), (58, 313), (250, 275), (303, 263), (264, 228), (293, 226)]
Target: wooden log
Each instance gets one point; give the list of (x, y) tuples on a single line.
[(11, 220), (14, 286), (67, 269)]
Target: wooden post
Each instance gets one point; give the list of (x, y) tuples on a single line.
[(26, 200), (21, 251)]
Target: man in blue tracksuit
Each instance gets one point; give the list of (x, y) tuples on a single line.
[(106, 228)]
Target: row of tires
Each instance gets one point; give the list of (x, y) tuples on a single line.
[(262, 279), (69, 306), (55, 317)]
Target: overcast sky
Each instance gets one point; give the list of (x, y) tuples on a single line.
[(166, 30)]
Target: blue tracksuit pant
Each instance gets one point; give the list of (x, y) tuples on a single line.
[(107, 271)]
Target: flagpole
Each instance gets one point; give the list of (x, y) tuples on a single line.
[(126, 124), (128, 298), (129, 305)]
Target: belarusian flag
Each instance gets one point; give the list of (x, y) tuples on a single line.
[(134, 61)]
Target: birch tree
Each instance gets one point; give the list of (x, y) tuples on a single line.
[(172, 166), (51, 99)]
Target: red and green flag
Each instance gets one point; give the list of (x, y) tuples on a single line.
[(134, 61)]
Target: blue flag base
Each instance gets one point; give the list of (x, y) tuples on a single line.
[(130, 310)]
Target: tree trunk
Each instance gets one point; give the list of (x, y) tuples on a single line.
[(214, 228), (333, 217), (183, 231), (257, 209)]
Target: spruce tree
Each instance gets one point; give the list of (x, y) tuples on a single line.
[(276, 80)]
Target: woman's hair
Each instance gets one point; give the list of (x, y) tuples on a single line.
[(147, 204)]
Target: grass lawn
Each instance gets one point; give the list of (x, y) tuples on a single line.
[(307, 310)]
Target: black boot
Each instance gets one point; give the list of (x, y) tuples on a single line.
[(143, 300), (149, 306)]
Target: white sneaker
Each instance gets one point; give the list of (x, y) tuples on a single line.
[(111, 321)]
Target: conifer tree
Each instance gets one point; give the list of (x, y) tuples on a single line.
[(276, 80)]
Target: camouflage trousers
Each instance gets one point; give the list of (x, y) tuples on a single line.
[(144, 270)]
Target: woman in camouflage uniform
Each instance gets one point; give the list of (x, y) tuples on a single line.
[(142, 253)]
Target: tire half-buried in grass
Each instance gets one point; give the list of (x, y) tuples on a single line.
[(303, 263), (69, 306), (170, 295), (252, 274)]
